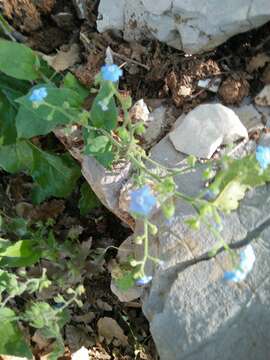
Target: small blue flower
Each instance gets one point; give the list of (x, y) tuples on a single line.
[(263, 156), (144, 280), (235, 276), (209, 195), (247, 260), (111, 72), (142, 201), (38, 95)]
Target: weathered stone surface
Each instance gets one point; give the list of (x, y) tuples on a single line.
[(107, 184), (182, 24), (193, 313), (249, 116), (205, 128)]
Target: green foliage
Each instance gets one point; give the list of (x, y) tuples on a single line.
[(22, 253), (54, 175), (100, 147), (88, 199), (18, 61), (126, 281), (105, 119), (71, 82), (12, 340), (32, 121)]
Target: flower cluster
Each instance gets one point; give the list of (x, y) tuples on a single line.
[(142, 201), (247, 259), (263, 156), (111, 72), (38, 95)]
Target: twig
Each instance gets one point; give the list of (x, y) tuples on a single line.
[(124, 58)]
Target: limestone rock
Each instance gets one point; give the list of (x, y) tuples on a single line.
[(182, 24), (205, 128), (107, 184), (193, 313), (249, 116)]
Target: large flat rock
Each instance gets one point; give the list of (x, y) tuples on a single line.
[(193, 313), (181, 23)]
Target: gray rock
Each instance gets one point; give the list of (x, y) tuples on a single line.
[(182, 24), (155, 126), (205, 128), (249, 116), (107, 184), (193, 313)]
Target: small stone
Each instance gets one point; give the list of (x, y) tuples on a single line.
[(263, 98), (205, 128)]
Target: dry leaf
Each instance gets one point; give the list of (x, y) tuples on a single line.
[(64, 59), (257, 61), (109, 329)]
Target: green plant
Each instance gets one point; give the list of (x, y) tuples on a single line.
[(29, 111)]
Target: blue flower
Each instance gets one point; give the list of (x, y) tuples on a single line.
[(247, 260), (38, 95), (111, 72), (210, 195), (144, 280), (263, 156), (142, 201)]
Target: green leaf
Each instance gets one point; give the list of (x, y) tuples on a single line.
[(98, 145), (104, 119), (126, 281), (22, 253), (228, 199), (12, 86), (54, 175), (71, 82), (12, 341), (32, 121), (16, 157), (18, 61), (88, 199), (8, 132)]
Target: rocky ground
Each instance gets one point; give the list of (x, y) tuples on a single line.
[(66, 35)]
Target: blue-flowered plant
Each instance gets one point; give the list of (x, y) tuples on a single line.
[(111, 72), (142, 201), (35, 101), (38, 95)]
